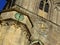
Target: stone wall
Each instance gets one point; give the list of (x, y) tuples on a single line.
[(13, 34), (51, 38)]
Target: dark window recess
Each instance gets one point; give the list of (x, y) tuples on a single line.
[(11, 3), (46, 0), (46, 9), (41, 5)]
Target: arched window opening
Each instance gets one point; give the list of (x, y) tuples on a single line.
[(41, 5), (46, 9)]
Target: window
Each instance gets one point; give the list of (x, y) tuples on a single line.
[(11, 3), (44, 5), (46, 0), (41, 5), (46, 9)]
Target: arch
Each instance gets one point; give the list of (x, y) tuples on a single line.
[(41, 5), (37, 42), (46, 9)]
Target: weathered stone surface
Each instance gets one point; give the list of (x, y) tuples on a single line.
[(13, 34), (47, 32)]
